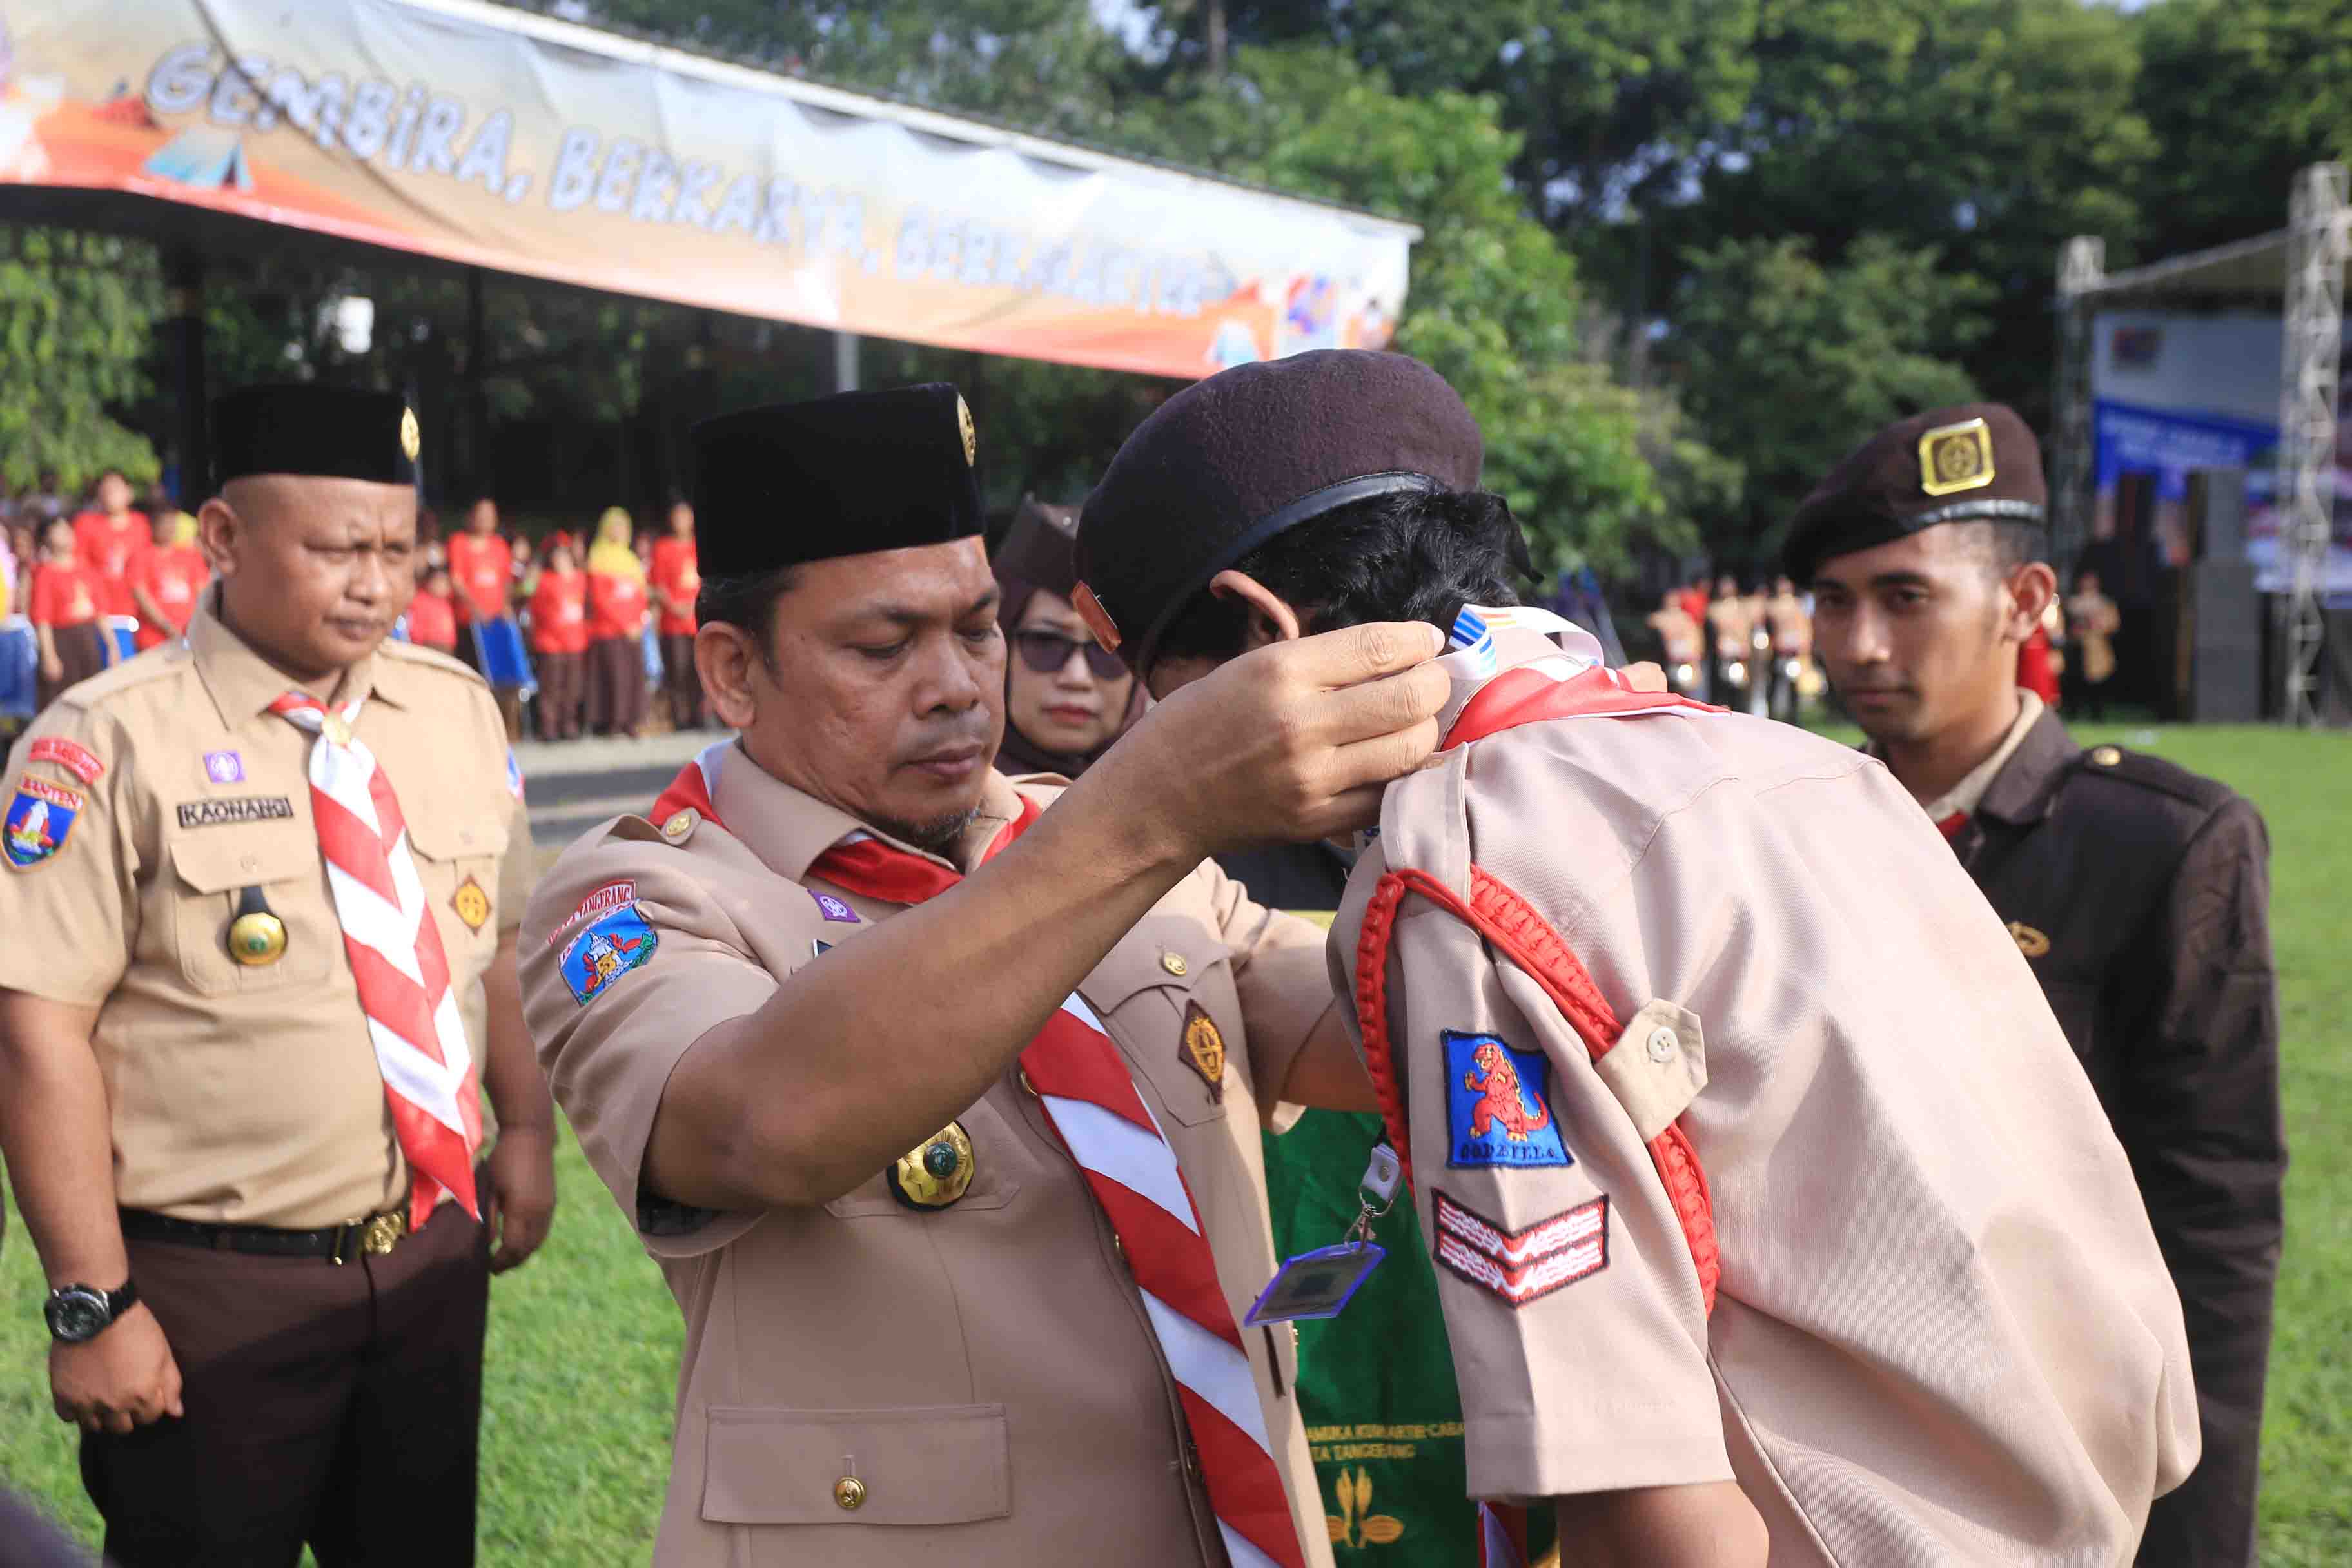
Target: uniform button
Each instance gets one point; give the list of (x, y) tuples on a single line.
[(1116, 1245), (249, 863), (1173, 963), (2107, 757), (849, 1493), (1662, 1044), (1191, 1459)]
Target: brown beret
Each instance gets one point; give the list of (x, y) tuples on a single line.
[(1041, 547), (843, 475), (1976, 462), (1229, 462)]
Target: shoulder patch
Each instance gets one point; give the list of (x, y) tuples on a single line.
[(39, 818), (608, 949), (71, 755), (604, 900), (1497, 1108)]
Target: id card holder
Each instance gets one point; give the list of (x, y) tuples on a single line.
[(1315, 1284), (1320, 1284)]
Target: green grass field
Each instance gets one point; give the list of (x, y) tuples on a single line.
[(584, 1341)]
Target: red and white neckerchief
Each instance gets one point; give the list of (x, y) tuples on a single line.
[(1084, 1087), (430, 1079)]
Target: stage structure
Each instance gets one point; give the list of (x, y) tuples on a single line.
[(2298, 270)]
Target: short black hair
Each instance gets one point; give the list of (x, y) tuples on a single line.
[(2006, 546), (1413, 555), (747, 600)]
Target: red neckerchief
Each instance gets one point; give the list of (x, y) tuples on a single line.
[(869, 866), (1952, 827), (1527, 695)]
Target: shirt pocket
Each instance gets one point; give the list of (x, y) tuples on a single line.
[(457, 853), (998, 1158), (936, 1464), (1167, 994), (211, 869)]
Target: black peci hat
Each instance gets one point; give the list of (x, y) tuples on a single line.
[(843, 475), (1975, 462), (324, 432), (1229, 462)]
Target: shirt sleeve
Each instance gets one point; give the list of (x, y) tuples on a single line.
[(79, 891), (675, 967), (1574, 1308), (1281, 978), (2197, 1110)]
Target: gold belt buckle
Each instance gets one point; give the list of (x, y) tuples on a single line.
[(382, 1234)]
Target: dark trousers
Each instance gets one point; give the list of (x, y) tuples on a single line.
[(336, 1405), (616, 684), (681, 681), (82, 650), (562, 676)]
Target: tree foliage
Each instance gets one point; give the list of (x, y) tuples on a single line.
[(76, 314)]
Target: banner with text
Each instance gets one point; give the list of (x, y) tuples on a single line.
[(527, 146)]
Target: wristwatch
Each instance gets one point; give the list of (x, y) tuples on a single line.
[(80, 1313)]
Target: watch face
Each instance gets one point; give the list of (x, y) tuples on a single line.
[(77, 1315)]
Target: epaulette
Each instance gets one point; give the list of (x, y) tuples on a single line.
[(2144, 772), (430, 658), (145, 670)]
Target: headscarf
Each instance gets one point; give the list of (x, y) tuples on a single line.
[(1040, 543), (612, 555)]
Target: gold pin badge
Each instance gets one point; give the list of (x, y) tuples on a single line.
[(255, 936), (935, 1172), (1203, 1050), (412, 438), (337, 729), (680, 824), (2031, 943), (2106, 757), (1173, 963), (472, 904), (1954, 458), (970, 435)]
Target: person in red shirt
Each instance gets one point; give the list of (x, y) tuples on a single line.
[(432, 617), (67, 600), (677, 579), (481, 564), (616, 625), (109, 541), (558, 640), (170, 576)]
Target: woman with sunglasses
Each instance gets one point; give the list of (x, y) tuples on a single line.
[(1067, 697)]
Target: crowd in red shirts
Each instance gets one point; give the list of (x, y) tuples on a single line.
[(582, 623)]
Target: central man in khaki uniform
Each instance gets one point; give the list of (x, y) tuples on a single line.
[(941, 1114), (1774, 1219)]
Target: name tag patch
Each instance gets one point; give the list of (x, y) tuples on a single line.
[(1497, 1109), (236, 808), (606, 950), (1522, 1265), (39, 818)]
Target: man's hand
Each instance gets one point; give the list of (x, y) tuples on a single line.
[(124, 1378), (1290, 742), (1644, 677), (521, 1194)]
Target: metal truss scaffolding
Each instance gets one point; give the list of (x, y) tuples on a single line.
[(2080, 266), (2310, 365)]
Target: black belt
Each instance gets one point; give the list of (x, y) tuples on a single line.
[(372, 1237)]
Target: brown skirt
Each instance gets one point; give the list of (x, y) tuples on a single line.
[(681, 680), (616, 684), (561, 676), (82, 650)]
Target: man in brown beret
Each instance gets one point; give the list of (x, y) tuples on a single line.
[(2138, 891), (1748, 1243)]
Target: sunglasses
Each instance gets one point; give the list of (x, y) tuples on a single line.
[(1048, 653)]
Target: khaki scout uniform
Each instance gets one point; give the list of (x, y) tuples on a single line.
[(248, 1095), (1943, 1333), (985, 1370)]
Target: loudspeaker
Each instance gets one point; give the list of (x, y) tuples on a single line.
[(2225, 644), (2217, 514)]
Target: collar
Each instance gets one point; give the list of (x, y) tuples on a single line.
[(2022, 792), (1964, 797), (788, 829), (242, 683)]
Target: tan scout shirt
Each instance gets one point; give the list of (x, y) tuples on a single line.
[(987, 1367), (246, 1095), (1943, 1333)]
